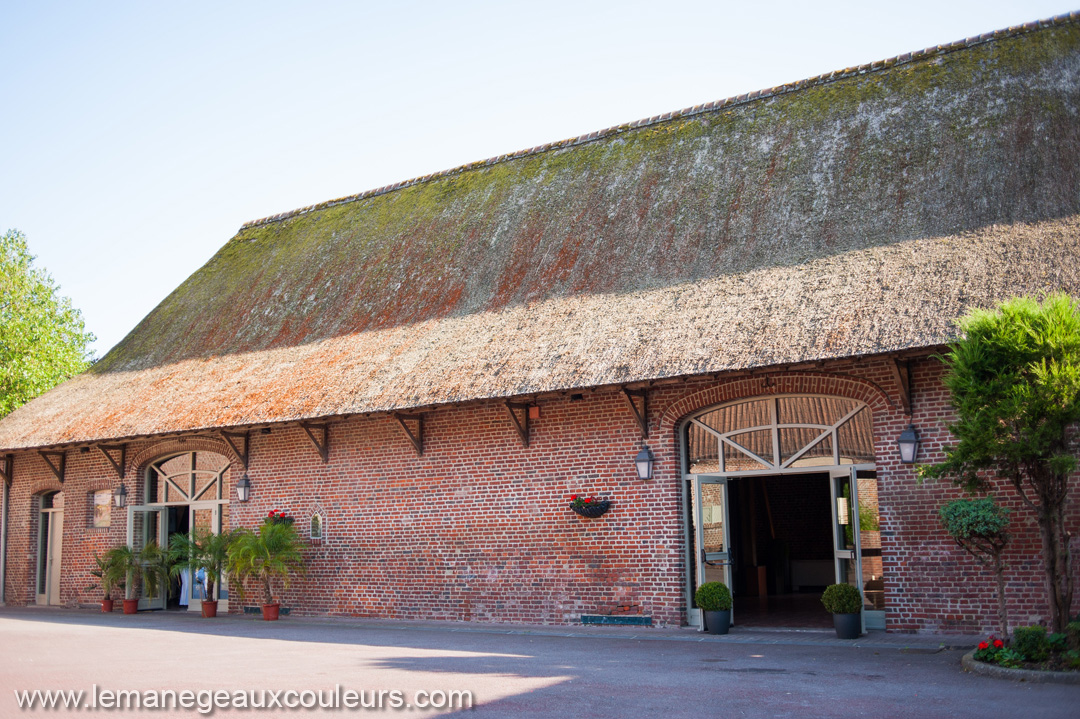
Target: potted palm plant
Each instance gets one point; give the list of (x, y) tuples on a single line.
[(714, 601), (204, 552), (845, 604), (109, 575), (262, 556), (126, 560)]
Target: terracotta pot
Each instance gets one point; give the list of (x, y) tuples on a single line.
[(209, 608), (131, 606), (270, 612), (106, 605)]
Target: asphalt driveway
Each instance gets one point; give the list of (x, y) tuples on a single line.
[(621, 672)]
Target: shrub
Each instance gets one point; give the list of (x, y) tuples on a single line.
[(713, 597), (1072, 659), (1031, 642), (1058, 642), (842, 599), (1072, 631)]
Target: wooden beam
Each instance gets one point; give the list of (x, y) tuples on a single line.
[(106, 451), (58, 468), (245, 437), (641, 415), (521, 425), (417, 437), (902, 374), (323, 446), (7, 468)]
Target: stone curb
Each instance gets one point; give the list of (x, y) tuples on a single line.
[(1017, 675)]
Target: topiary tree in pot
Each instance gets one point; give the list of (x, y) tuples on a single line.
[(272, 552), (844, 602), (714, 601)]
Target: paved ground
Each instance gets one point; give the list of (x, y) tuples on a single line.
[(623, 672)]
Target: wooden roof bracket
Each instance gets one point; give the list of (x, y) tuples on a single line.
[(417, 436), (522, 424), (641, 415), (321, 446), (231, 439), (7, 468), (106, 451), (902, 375), (58, 468)]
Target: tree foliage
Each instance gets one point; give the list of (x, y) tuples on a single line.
[(1014, 380), (42, 338)]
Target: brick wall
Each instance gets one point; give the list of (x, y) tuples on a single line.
[(479, 528)]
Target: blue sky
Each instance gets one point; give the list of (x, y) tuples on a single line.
[(136, 138)]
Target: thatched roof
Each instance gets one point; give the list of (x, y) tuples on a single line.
[(849, 214)]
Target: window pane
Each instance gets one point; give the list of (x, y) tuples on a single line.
[(703, 450), (759, 442), (870, 540), (737, 416), (856, 438), (820, 455)]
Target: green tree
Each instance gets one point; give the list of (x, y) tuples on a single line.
[(42, 338), (981, 528), (1014, 380)]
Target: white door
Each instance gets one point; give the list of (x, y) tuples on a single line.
[(847, 553), (712, 539), (50, 549)]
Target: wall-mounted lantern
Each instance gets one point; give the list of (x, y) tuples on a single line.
[(644, 462), (909, 445), (120, 496), (243, 488)]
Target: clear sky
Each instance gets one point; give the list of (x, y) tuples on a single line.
[(136, 138)]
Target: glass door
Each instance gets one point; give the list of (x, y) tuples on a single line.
[(205, 517), (145, 526), (847, 552), (711, 533)]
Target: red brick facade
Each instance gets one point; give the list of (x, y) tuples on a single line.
[(479, 528)]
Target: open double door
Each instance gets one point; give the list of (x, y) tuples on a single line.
[(150, 523), (713, 540)]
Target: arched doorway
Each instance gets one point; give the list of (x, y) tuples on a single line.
[(782, 501), (50, 547), (182, 494)]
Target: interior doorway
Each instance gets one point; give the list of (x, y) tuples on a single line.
[(782, 549)]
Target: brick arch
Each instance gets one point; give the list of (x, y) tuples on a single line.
[(824, 383), (45, 485), (178, 445)]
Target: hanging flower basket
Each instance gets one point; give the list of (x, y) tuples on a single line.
[(589, 507)]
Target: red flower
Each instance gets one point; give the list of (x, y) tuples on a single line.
[(271, 513), (998, 644), (589, 500), (984, 645), (573, 496)]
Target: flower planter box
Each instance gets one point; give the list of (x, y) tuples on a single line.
[(594, 510)]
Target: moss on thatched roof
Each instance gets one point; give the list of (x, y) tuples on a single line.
[(852, 214)]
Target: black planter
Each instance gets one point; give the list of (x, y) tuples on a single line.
[(594, 510), (718, 622), (280, 520), (848, 626)]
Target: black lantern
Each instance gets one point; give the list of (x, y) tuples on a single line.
[(120, 496), (243, 488), (909, 445), (644, 462)]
